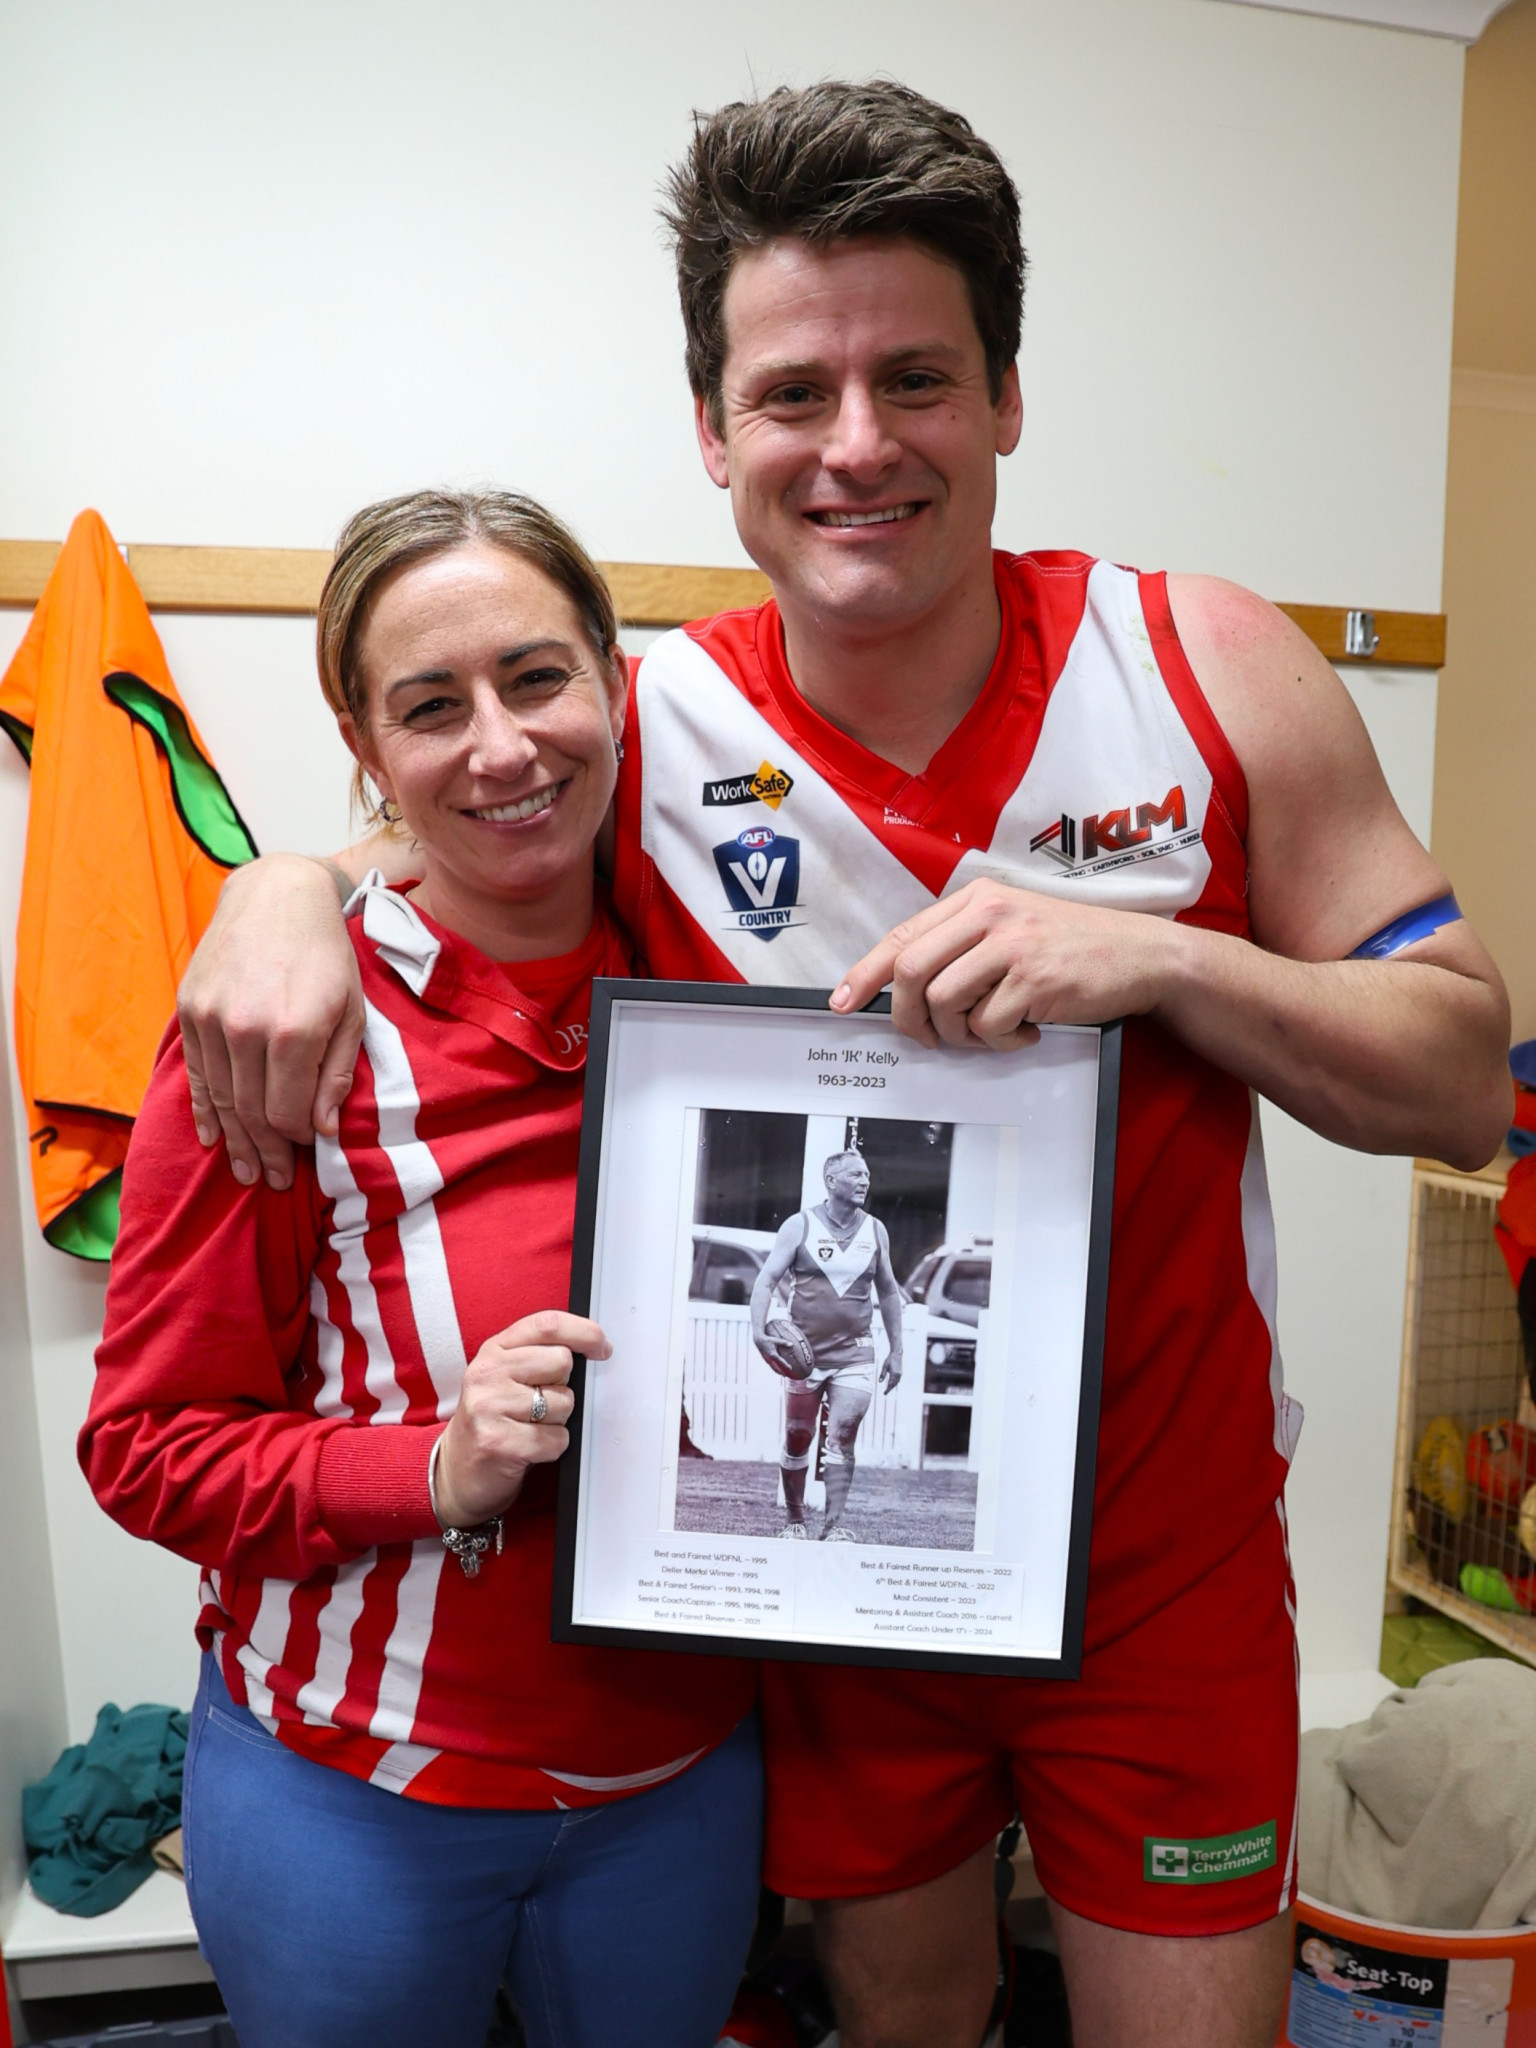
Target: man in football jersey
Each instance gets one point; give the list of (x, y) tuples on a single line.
[(832, 1261), (1022, 790)]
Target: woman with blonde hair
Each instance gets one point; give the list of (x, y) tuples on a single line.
[(344, 1399)]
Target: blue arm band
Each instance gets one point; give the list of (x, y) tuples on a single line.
[(1408, 929)]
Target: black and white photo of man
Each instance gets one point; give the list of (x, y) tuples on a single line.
[(831, 1261)]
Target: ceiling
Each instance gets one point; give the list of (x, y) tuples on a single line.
[(1464, 20)]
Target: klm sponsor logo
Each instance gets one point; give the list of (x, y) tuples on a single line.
[(1115, 839), (760, 872)]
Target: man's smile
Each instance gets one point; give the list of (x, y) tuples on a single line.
[(889, 515)]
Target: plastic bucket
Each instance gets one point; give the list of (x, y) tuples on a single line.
[(1359, 1983)]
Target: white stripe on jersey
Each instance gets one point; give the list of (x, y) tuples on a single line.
[(1264, 1279), (1290, 1608), (330, 1350), (430, 1294), (320, 1693), (632, 1781), (265, 1644), (400, 1763), (426, 1270), (405, 1654), (1111, 735), (421, 1238), (349, 1228)]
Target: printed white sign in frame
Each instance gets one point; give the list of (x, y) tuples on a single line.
[(855, 1290)]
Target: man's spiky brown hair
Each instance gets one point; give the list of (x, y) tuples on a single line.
[(830, 161)]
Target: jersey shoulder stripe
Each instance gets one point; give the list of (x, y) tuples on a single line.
[(1230, 783)]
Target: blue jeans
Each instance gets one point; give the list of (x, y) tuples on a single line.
[(337, 1915)]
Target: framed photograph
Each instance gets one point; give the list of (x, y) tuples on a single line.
[(855, 1290)]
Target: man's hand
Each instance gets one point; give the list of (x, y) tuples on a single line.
[(271, 1014), (890, 1372), (490, 1443), (990, 963)]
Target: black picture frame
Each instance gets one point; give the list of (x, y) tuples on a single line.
[(608, 995)]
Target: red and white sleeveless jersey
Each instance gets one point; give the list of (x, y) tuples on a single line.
[(276, 1367), (831, 1288), (759, 843)]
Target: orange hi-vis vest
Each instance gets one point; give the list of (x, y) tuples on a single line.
[(129, 838)]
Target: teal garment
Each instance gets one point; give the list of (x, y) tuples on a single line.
[(89, 1825)]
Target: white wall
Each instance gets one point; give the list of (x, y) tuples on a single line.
[(270, 264), (31, 1681), (278, 260)]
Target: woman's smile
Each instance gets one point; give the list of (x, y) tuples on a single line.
[(519, 811)]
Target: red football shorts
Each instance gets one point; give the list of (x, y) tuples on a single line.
[(1158, 1790)]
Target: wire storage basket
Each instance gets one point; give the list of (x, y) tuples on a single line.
[(1464, 1535)]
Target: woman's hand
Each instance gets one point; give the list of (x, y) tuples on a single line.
[(490, 1442)]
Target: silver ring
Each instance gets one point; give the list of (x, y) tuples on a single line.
[(540, 1406)]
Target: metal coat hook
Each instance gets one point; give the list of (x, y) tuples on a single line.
[(1361, 638)]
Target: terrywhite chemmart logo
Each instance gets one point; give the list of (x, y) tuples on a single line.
[(1212, 1861)]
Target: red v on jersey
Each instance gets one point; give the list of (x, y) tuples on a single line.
[(1090, 766), (927, 820)]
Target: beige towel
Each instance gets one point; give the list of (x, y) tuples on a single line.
[(167, 1853), (1426, 1813)]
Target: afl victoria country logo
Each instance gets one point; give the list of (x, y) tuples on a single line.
[(760, 871)]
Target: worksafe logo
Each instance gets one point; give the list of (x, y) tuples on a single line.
[(1114, 839), (1214, 1860), (761, 875), (768, 786)]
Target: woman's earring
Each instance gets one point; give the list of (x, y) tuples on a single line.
[(618, 750), (387, 813)]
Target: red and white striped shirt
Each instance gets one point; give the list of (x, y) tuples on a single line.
[(275, 1369)]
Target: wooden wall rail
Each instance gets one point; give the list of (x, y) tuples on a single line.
[(1405, 639), (286, 582)]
